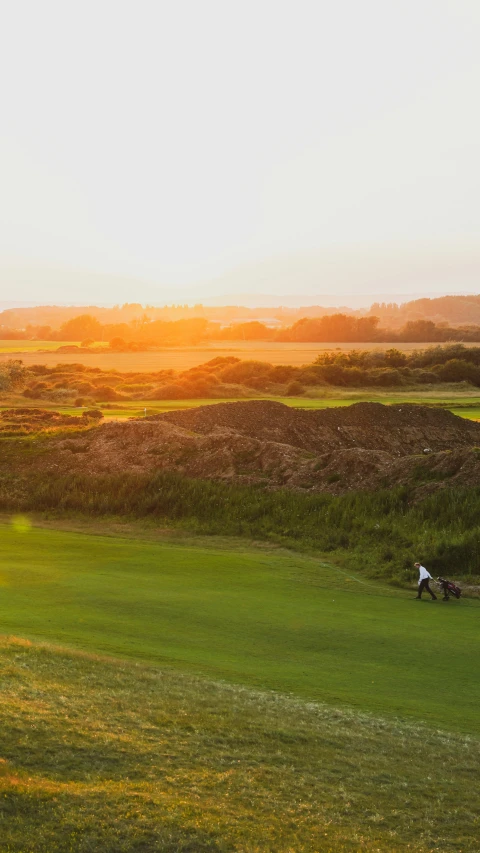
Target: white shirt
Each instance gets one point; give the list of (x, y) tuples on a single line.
[(423, 574)]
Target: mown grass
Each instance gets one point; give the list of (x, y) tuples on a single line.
[(257, 616), (380, 534), (103, 755)]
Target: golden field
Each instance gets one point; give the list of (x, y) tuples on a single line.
[(183, 358)]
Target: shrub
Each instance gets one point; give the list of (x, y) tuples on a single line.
[(73, 367), (356, 377), (388, 377), (424, 377), (59, 395), (138, 388), (334, 374), (311, 376), (108, 394), (118, 345), (220, 362), (12, 374), (395, 358), (457, 370), (93, 414), (294, 389), (170, 391), (283, 373), (83, 387), (244, 370), (258, 383)]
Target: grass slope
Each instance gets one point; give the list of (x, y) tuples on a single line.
[(265, 618), (118, 757)]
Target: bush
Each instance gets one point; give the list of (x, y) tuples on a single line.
[(105, 393), (170, 391), (59, 395), (424, 377), (258, 383), (311, 376), (12, 374), (118, 345), (388, 377), (220, 362), (283, 373), (244, 370), (395, 358), (294, 389), (137, 388), (83, 387), (356, 377), (333, 374), (457, 370), (93, 414)]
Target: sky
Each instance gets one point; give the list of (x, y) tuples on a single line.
[(157, 151)]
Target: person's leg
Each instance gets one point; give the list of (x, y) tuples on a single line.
[(421, 587), (427, 587)]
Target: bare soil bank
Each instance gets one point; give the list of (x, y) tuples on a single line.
[(364, 446)]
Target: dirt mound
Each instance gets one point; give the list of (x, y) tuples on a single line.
[(365, 446), (401, 429)]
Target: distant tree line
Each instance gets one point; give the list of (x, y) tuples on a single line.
[(43, 321), (142, 332)]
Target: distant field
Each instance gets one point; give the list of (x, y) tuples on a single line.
[(182, 358), (461, 403), (34, 346)]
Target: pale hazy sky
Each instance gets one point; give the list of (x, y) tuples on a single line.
[(174, 141)]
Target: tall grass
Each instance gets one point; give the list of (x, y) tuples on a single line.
[(381, 533)]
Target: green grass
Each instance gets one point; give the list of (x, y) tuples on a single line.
[(380, 533), (461, 404), (124, 758), (262, 617), (473, 412)]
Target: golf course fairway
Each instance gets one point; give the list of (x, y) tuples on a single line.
[(265, 618)]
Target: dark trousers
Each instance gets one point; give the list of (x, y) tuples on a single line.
[(425, 585)]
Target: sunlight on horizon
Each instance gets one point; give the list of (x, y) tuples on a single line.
[(160, 152)]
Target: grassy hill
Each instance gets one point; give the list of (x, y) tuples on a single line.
[(197, 695), (258, 616), (100, 755)]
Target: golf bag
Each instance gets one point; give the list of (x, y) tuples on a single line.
[(449, 588)]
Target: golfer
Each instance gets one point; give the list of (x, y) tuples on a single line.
[(423, 578)]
